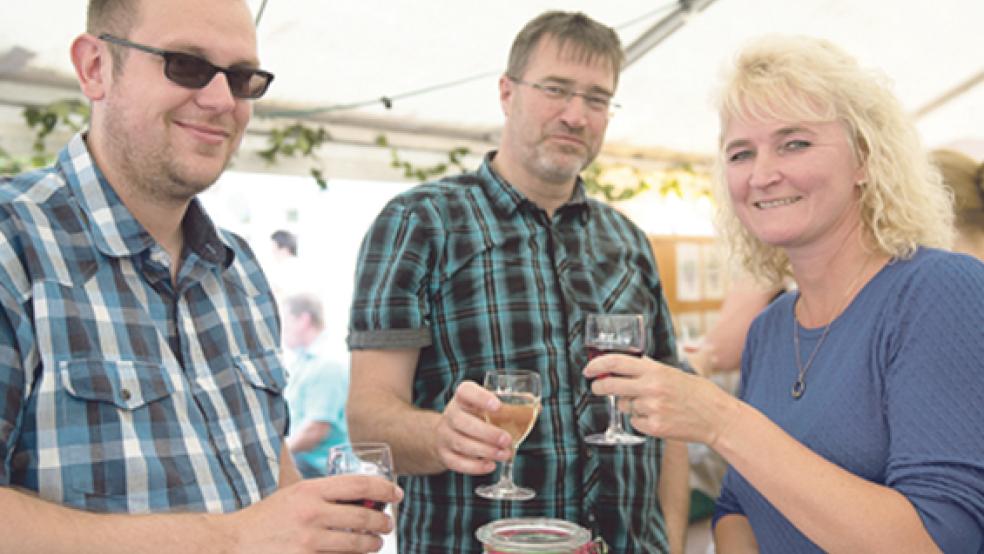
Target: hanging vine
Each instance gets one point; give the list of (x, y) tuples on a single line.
[(70, 115), (410, 171), (297, 140)]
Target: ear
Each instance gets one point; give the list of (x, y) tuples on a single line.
[(92, 65), (505, 93)]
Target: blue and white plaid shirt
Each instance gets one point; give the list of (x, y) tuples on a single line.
[(120, 392)]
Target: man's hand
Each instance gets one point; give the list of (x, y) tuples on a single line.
[(465, 442), (307, 517)]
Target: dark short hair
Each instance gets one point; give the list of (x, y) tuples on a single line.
[(589, 39), (286, 240), (115, 17), (305, 303)]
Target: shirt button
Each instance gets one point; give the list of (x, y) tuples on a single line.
[(125, 394)]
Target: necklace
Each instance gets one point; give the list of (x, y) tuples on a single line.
[(799, 386)]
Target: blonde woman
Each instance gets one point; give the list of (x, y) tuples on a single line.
[(857, 427)]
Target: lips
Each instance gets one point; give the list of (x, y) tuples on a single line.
[(205, 133), (568, 140), (776, 203)]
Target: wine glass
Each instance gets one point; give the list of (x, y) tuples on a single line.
[(519, 392), (614, 334), (362, 458)]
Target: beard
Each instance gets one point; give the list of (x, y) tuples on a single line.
[(560, 163), (146, 161)]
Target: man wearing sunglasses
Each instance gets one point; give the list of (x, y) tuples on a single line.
[(138, 343), (497, 269)]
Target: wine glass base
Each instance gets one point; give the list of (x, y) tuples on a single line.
[(614, 439), (498, 492)]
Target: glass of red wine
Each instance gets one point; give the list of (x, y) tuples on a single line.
[(362, 458), (519, 392), (614, 334)]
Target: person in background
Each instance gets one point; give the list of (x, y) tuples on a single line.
[(965, 177), (317, 387), (286, 272), (142, 407), (857, 424), (497, 269), (717, 356), (719, 350), (284, 244)]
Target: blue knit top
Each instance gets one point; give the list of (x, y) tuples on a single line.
[(895, 395)]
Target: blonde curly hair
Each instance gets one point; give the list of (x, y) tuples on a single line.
[(904, 204)]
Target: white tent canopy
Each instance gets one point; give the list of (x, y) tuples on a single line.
[(329, 54)]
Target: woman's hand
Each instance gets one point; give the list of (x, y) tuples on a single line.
[(662, 400)]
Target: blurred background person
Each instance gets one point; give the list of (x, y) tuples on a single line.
[(717, 356), (857, 427), (283, 267), (317, 386), (965, 177)]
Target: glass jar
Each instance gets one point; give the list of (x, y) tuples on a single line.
[(535, 536)]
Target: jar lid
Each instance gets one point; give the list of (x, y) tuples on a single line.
[(534, 536)]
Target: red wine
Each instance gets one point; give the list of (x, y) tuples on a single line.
[(378, 506), (595, 351)]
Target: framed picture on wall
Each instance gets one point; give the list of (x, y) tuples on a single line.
[(688, 272), (712, 271)]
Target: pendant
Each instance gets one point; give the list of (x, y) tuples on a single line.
[(799, 387)]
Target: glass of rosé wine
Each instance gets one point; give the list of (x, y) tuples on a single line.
[(519, 391)]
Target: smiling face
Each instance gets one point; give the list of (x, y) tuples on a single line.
[(159, 138), (552, 140), (793, 184)]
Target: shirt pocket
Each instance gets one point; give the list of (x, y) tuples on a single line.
[(263, 371), (118, 429)]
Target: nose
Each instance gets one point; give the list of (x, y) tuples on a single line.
[(765, 170), (575, 113), (216, 95)]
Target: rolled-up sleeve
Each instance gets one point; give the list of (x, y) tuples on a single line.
[(390, 304), (727, 503)]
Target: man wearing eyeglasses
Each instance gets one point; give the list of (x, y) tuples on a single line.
[(497, 269), (139, 371)]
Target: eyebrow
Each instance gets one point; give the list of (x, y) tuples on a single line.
[(778, 133), (569, 82), (197, 51)]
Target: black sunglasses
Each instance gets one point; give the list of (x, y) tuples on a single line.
[(192, 71)]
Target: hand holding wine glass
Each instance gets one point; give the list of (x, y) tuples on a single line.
[(614, 334), (519, 391), (362, 458)]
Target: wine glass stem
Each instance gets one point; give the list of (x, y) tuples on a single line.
[(506, 481), (614, 418)]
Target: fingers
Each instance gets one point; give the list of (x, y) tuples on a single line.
[(616, 364), (466, 442), (475, 399), (341, 540), (357, 487)]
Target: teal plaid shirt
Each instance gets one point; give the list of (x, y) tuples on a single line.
[(120, 392), (477, 277)]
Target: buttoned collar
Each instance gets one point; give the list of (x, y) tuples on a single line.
[(507, 199), (115, 232)]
